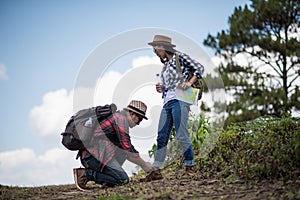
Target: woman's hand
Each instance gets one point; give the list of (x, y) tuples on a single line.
[(159, 87), (185, 85)]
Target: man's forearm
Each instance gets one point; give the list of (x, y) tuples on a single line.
[(137, 160)]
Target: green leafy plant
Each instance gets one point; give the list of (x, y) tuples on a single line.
[(199, 128), (264, 148)]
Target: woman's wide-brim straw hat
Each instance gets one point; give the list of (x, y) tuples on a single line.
[(162, 40)]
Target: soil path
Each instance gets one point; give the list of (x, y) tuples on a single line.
[(195, 188)]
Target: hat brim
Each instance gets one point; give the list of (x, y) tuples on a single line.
[(161, 43), (139, 113)]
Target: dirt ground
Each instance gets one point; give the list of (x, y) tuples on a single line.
[(168, 188)]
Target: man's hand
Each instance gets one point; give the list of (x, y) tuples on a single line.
[(147, 167)]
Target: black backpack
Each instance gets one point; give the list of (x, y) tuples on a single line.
[(80, 128)]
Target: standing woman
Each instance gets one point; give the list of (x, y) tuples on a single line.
[(174, 112)]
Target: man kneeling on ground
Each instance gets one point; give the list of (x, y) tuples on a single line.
[(111, 146)]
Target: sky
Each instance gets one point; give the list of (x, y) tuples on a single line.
[(59, 56)]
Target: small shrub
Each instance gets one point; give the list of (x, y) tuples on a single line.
[(264, 148)]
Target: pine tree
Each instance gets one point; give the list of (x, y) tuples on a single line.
[(264, 35)]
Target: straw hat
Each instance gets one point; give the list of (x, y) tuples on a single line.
[(137, 107), (162, 40)]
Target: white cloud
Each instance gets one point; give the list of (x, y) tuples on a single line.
[(3, 73), (105, 88), (51, 117), (145, 60), (20, 158), (23, 167)]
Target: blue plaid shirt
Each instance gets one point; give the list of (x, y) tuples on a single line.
[(171, 79)]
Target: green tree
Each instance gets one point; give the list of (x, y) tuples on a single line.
[(264, 35)]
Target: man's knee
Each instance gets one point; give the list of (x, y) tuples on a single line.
[(124, 180)]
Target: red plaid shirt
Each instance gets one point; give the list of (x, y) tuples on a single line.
[(111, 135)]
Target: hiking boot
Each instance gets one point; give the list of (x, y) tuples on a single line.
[(189, 172), (80, 179), (154, 175)]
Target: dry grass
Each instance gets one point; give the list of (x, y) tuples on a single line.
[(168, 188)]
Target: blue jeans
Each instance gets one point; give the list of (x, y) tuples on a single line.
[(112, 174), (174, 113)]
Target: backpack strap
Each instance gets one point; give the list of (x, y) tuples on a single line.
[(178, 67), (198, 84)]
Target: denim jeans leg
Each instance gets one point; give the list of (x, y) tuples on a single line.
[(180, 113), (164, 130), (112, 174)]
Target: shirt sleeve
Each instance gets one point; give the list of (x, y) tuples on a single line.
[(191, 65)]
